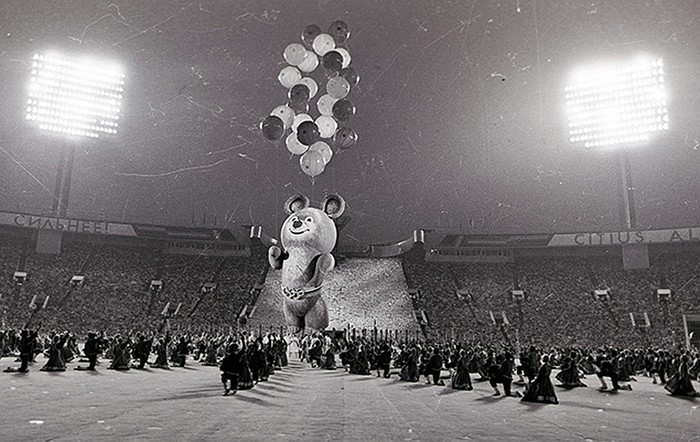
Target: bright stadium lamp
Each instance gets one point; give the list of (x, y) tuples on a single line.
[(78, 98), (618, 106)]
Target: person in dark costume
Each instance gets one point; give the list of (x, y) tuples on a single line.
[(161, 350), (56, 361), (181, 351), (461, 379), (659, 367), (245, 377), (122, 354), (315, 353), (143, 350), (680, 384), (409, 371), (541, 389), (329, 358), (501, 372), (92, 350), (569, 374), (434, 367), (211, 350), (384, 361), (230, 368), (27, 343), (607, 367)]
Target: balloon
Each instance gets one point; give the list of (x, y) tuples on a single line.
[(325, 104), (339, 31), (310, 33), (324, 149), (310, 62), (338, 87), (300, 118), (346, 56), (323, 43), (311, 84), (284, 113), (332, 61), (345, 138), (312, 163), (326, 126), (289, 76), (295, 54), (294, 146), (299, 93), (343, 110), (272, 127), (308, 133), (349, 74)]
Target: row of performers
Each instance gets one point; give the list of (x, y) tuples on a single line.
[(533, 367), (244, 360)]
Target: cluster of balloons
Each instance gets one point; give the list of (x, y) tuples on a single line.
[(307, 134)]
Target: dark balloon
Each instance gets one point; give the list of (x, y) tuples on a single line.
[(308, 133), (272, 127), (332, 61), (310, 32), (299, 108), (345, 138), (343, 109), (339, 31), (299, 93), (349, 74)]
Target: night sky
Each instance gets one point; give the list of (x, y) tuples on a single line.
[(459, 113)]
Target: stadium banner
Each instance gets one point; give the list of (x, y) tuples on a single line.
[(40, 222), (686, 234)]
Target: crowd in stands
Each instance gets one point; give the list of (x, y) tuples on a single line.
[(116, 293), (559, 307)]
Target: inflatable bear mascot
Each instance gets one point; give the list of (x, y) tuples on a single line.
[(304, 254)]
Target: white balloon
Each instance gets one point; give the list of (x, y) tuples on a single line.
[(346, 56), (310, 62), (285, 113), (324, 149), (295, 54), (323, 43), (326, 126), (325, 104), (311, 84), (338, 87), (289, 76), (312, 163), (294, 146), (300, 118)]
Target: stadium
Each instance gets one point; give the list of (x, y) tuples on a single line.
[(515, 242)]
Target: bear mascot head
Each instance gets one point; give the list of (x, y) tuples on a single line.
[(307, 237)]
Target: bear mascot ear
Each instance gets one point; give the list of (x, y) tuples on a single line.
[(333, 205), (295, 204)]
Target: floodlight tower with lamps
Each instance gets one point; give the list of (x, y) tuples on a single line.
[(617, 107), (77, 98)]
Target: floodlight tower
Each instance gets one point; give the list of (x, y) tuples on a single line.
[(618, 107), (77, 98)]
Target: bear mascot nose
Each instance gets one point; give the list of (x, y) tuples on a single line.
[(296, 224)]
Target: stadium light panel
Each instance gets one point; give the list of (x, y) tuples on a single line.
[(76, 97), (617, 105)]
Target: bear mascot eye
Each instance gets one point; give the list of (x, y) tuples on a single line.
[(309, 219)]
